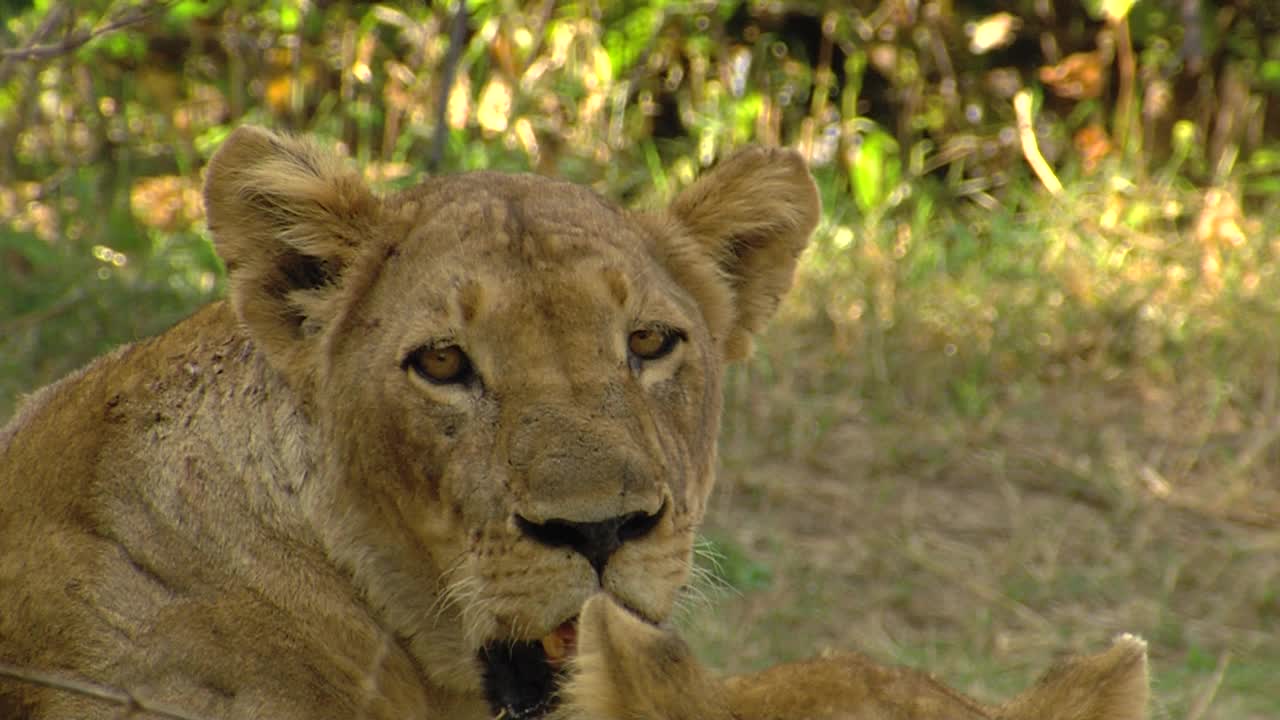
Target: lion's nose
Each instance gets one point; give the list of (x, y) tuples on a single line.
[(595, 541)]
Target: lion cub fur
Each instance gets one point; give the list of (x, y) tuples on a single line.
[(270, 512), (628, 669)]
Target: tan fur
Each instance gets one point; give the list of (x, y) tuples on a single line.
[(263, 513), (629, 669)]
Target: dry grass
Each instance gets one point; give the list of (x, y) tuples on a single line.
[(979, 546), (976, 441)]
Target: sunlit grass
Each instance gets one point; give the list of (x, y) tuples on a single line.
[(1000, 434)]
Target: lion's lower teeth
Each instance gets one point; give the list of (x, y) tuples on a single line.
[(559, 644)]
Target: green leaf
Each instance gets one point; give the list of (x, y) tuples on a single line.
[(624, 42), (183, 13), (119, 45), (875, 170), (210, 139), (290, 16), (1265, 159), (745, 112), (1269, 75), (1112, 10), (1267, 185)]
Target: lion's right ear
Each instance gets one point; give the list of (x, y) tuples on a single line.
[(751, 216), (287, 217)]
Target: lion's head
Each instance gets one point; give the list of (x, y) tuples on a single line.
[(516, 383)]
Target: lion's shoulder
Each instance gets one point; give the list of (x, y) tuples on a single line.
[(91, 402)]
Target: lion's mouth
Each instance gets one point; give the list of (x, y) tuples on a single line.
[(521, 679)]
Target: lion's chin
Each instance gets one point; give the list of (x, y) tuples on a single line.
[(521, 679)]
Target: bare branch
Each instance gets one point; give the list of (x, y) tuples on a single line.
[(73, 41), (53, 19), (112, 695)]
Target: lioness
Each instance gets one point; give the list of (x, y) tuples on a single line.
[(419, 434), (626, 669)]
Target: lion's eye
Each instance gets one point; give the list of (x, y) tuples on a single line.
[(440, 364), (652, 343)]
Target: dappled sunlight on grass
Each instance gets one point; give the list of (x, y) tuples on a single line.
[(1045, 290)]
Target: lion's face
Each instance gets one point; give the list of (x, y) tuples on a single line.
[(517, 384), (537, 407)]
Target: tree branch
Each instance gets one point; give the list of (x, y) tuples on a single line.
[(53, 19), (73, 41)]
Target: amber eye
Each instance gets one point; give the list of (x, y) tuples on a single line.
[(652, 343), (440, 364)]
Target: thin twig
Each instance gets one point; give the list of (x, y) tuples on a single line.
[(112, 695), (74, 41), (53, 19)]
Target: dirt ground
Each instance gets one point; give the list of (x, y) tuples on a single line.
[(982, 548)]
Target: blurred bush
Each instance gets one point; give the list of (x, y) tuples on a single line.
[(108, 110)]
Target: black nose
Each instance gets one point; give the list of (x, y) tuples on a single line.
[(595, 541)]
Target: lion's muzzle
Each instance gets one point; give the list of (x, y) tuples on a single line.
[(596, 541)]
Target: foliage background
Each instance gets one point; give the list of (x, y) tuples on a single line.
[(1000, 421)]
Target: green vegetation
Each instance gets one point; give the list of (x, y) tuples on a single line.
[(994, 421)]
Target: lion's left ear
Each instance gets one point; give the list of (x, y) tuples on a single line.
[(288, 218), (752, 215)]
